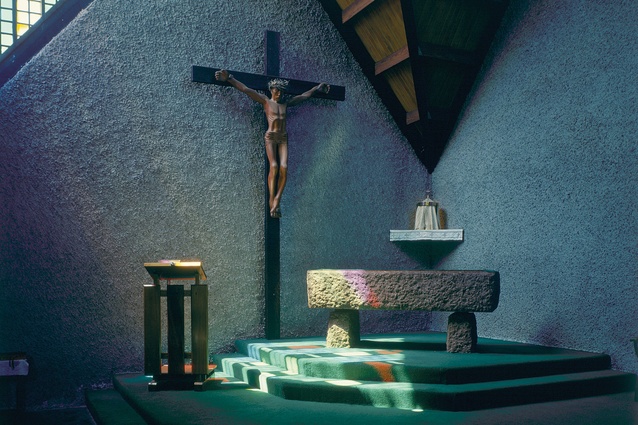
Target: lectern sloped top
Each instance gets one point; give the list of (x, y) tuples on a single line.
[(176, 269)]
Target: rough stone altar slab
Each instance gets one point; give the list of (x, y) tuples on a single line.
[(429, 290)]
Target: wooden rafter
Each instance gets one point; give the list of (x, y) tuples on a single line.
[(417, 65), (412, 116), (450, 54), (355, 7), (391, 60), (381, 86)]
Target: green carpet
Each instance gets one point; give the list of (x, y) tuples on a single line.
[(229, 406), (236, 404), (413, 371), (402, 359), (108, 407), (300, 381)]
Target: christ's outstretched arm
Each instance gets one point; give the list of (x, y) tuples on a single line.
[(223, 75), (323, 88)]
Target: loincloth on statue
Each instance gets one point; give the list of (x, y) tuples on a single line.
[(276, 138)]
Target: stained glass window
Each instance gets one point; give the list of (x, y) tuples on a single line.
[(17, 16)]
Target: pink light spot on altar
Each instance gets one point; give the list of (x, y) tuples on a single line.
[(358, 282)]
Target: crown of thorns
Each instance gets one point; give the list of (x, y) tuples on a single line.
[(278, 83)]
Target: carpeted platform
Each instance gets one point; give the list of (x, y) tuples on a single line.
[(411, 373)]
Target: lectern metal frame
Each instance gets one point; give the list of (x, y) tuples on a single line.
[(177, 376)]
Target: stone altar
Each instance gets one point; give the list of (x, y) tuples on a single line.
[(458, 291)]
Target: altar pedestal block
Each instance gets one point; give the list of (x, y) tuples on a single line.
[(177, 374)]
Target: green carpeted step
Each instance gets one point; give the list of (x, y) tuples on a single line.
[(496, 361), (108, 407), (247, 369), (463, 397), (390, 372), (237, 406)]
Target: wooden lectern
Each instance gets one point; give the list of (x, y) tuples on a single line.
[(178, 375)]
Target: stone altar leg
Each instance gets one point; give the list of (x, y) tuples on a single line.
[(343, 329), (461, 333)]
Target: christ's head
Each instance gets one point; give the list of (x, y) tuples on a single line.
[(277, 88)]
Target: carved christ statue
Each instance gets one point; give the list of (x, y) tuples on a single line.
[(276, 137)]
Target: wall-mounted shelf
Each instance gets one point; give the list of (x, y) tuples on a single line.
[(428, 247), (446, 235)]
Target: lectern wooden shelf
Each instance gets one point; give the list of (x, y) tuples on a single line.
[(178, 374)]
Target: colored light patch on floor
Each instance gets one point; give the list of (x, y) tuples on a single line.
[(389, 351), (384, 370)]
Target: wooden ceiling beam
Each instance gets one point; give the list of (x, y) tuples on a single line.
[(411, 132), (356, 7), (412, 116), (391, 60), (428, 119), (413, 51), (450, 54), (434, 130), (497, 11)]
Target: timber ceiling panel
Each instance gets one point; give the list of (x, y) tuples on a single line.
[(422, 57)]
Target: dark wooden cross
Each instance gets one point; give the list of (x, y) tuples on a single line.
[(272, 240)]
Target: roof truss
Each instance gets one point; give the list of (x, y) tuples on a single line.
[(422, 57)]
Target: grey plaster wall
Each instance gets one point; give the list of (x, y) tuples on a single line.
[(541, 173), (110, 157)]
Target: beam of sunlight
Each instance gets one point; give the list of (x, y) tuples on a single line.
[(343, 382), (263, 381), (352, 353), (292, 364)]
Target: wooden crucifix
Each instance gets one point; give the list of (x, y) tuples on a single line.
[(274, 175)]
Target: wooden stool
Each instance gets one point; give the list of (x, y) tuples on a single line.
[(14, 367)]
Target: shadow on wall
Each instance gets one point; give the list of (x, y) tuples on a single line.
[(57, 295), (550, 335), (428, 253)]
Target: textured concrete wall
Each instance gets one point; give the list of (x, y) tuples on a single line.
[(541, 173), (110, 157)]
